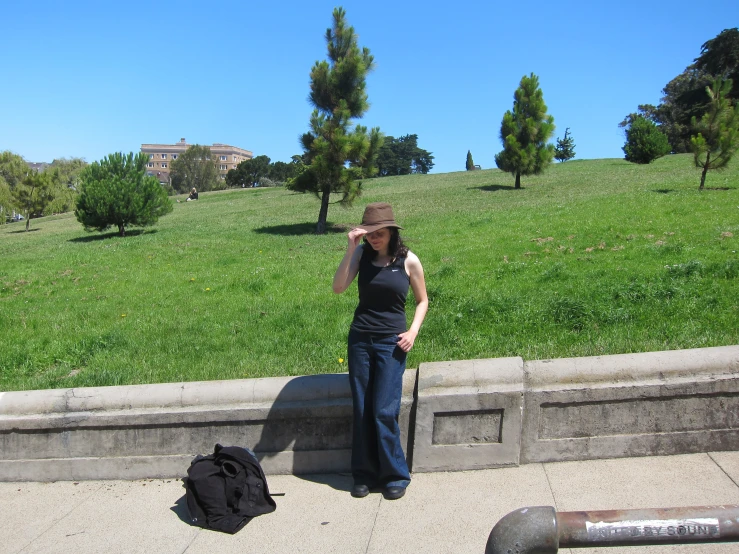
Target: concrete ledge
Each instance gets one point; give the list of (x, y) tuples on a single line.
[(80, 469), (294, 424), (458, 415), (654, 403), (468, 414)]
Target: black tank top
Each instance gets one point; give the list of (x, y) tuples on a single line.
[(382, 294)]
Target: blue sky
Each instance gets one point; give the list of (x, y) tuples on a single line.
[(90, 78)]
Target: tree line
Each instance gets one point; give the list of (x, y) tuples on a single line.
[(685, 97), (197, 167), (34, 193), (698, 112)]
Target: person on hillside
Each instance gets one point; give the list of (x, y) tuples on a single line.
[(378, 344), (193, 195)]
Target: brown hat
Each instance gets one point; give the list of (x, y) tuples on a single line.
[(376, 216)]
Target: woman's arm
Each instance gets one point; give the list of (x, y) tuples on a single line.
[(418, 284), (349, 266)]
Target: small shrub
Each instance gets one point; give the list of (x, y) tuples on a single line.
[(644, 142), (267, 182)]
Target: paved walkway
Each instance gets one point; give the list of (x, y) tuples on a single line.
[(441, 513)]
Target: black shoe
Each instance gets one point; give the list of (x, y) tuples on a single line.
[(393, 493), (360, 491)]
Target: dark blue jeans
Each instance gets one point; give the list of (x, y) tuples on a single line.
[(376, 366)]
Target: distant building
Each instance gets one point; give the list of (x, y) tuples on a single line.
[(38, 166), (161, 156)]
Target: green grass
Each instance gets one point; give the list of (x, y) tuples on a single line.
[(593, 257)]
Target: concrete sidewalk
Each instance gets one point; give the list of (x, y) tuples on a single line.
[(441, 513)]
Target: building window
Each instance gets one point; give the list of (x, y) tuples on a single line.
[(164, 165), (164, 156), (151, 156), (174, 156), (223, 158), (224, 166), (223, 176)]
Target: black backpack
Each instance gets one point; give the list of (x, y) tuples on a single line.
[(226, 489)]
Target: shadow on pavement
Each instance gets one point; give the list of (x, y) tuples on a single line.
[(180, 509), (337, 481)]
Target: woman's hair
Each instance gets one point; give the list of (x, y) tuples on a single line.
[(395, 247)]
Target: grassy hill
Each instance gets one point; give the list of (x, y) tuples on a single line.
[(594, 257)]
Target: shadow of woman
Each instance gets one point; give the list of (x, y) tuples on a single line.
[(308, 428)]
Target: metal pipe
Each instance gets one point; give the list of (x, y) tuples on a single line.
[(542, 530), (653, 526), (530, 530)]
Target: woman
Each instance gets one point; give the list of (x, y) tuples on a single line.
[(378, 345), (193, 194)]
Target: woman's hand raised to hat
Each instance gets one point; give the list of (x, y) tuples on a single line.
[(355, 237)]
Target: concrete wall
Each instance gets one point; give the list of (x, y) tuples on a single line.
[(647, 404), (294, 424), (468, 414), (454, 415)]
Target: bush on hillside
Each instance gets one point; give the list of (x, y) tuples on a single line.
[(644, 142)]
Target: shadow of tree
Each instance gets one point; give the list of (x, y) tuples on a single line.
[(493, 188), (113, 235), (24, 230), (297, 229), (664, 191)]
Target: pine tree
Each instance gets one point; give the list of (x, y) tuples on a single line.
[(717, 137), (117, 192), (565, 148), (337, 157), (525, 132), (470, 164)]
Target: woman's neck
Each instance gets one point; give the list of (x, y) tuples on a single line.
[(382, 259)]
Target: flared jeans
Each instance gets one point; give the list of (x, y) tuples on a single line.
[(376, 367)]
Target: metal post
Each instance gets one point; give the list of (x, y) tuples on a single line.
[(541, 530), (530, 530)]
